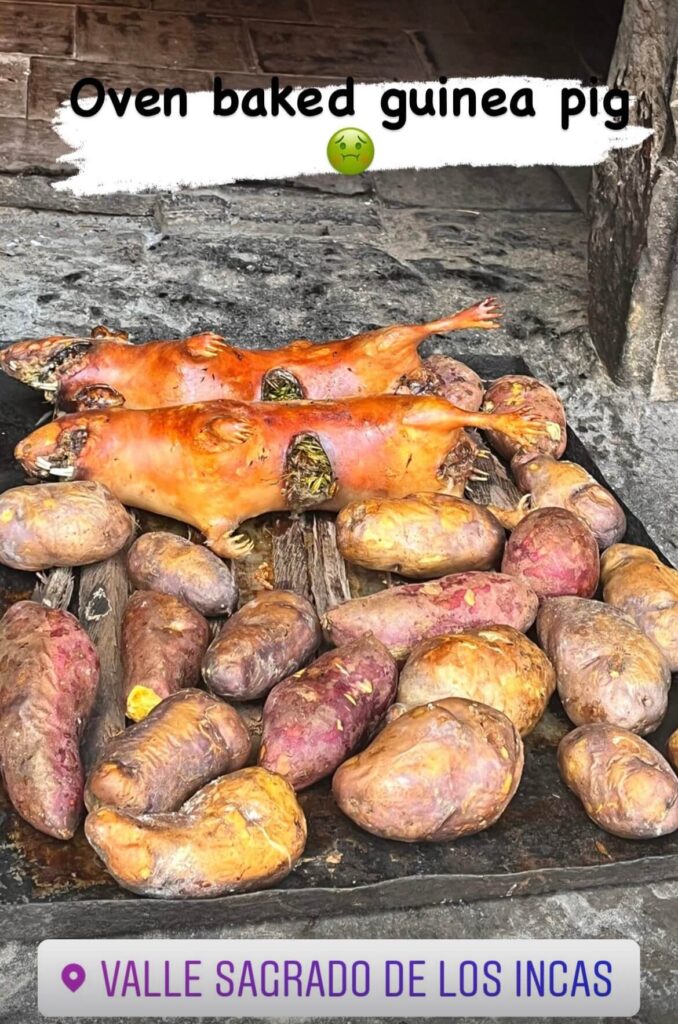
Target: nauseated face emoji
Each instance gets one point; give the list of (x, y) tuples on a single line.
[(350, 151)]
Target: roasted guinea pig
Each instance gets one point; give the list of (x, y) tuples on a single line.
[(217, 464), (105, 370)]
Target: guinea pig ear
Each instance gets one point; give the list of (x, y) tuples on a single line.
[(104, 333), (222, 432), (205, 346)]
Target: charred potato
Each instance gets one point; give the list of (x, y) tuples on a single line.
[(636, 582), (672, 748), (606, 669), (625, 785), (240, 832), (496, 665), (271, 636), (529, 397), (49, 672), (404, 616), (163, 644), (438, 772), (138, 772), (173, 565), (422, 536), (555, 553), (316, 718), (553, 484), (72, 523)]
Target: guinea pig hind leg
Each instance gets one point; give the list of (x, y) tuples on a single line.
[(227, 542)]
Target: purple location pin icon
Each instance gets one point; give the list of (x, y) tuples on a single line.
[(73, 976)]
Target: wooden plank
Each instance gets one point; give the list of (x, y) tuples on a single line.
[(13, 84), (634, 207), (36, 28), (159, 39), (290, 565), (55, 588), (327, 569), (104, 589)]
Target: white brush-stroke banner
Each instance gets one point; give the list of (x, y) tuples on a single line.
[(133, 153)]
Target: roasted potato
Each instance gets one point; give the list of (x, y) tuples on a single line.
[(316, 718), (672, 748), (495, 665), (625, 785), (636, 582), (422, 536), (553, 484), (271, 636), (555, 553), (439, 772), (242, 831), (606, 668), (72, 523), (528, 397), (404, 616), (49, 672), (186, 741), (173, 565), (442, 375), (163, 643)]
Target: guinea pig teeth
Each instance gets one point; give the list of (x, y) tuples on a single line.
[(65, 471), (43, 463)]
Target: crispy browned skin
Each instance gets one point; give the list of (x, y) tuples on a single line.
[(316, 718), (635, 581), (71, 523), (163, 641), (186, 741), (607, 670), (439, 772), (625, 785), (49, 672), (421, 536), (402, 617), (496, 665), (555, 552), (218, 463), (271, 636), (517, 393), (173, 565), (242, 831), (108, 371), (553, 484)]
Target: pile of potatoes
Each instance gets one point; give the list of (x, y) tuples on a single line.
[(415, 700)]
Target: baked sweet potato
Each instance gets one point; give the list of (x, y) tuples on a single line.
[(271, 636), (163, 643), (422, 536), (554, 484), (607, 670), (442, 375), (625, 785), (216, 464), (525, 395), (404, 616), (186, 741), (71, 523), (49, 672), (242, 831), (316, 718), (496, 665), (635, 581), (439, 772), (173, 565), (555, 553)]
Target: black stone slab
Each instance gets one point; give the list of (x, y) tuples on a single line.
[(543, 843)]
